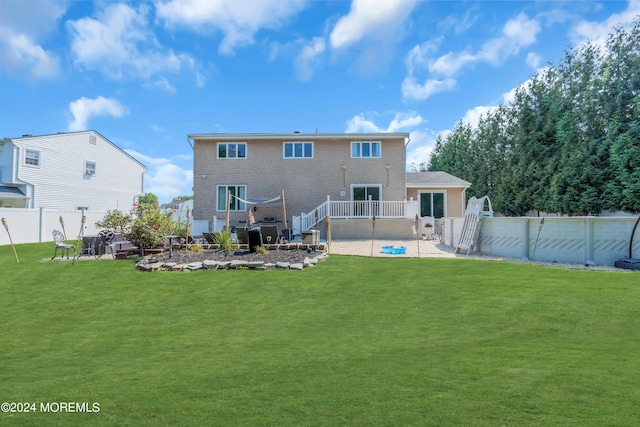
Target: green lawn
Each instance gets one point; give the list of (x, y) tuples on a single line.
[(353, 341)]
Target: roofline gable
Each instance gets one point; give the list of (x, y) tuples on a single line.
[(17, 139)]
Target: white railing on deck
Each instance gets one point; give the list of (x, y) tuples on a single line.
[(358, 209)]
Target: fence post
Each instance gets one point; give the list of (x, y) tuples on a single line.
[(588, 241), (41, 225), (525, 238)]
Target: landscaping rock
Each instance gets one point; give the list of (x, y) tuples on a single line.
[(292, 257), (209, 264), (255, 264), (194, 266)]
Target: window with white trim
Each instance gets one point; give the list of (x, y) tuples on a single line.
[(297, 150), (90, 168), (365, 149), (232, 150), (236, 191), (32, 157)]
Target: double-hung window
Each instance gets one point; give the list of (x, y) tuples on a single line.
[(365, 149), (237, 191), (32, 157), (232, 150), (298, 150)]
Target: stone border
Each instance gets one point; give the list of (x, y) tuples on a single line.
[(149, 264)]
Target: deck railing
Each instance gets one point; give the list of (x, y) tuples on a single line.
[(340, 209)]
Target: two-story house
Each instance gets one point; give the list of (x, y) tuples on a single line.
[(344, 176), (75, 170)]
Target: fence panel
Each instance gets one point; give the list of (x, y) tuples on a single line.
[(36, 225)]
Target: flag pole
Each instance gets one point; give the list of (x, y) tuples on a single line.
[(284, 209)]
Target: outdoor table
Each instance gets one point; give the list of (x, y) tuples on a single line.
[(171, 237)]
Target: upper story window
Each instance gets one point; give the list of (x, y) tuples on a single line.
[(232, 150), (365, 149), (90, 168), (298, 150), (32, 157)]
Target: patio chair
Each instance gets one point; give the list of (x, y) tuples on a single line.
[(209, 238), (243, 236), (58, 237), (106, 238), (269, 233)]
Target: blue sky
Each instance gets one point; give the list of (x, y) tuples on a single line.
[(147, 73)]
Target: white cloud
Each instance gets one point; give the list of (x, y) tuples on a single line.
[(517, 34), (370, 18), (414, 90), (420, 147), (238, 20), (421, 139), (401, 122), (21, 56), (308, 58), (418, 56), (450, 63), (22, 25), (534, 60), (473, 115), (164, 177), (597, 32), (84, 109), (119, 44), (163, 83)]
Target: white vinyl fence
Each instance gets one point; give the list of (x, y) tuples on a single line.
[(583, 240), (36, 225)]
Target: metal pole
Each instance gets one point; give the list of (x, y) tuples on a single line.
[(537, 237)]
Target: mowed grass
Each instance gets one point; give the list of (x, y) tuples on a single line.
[(353, 341)]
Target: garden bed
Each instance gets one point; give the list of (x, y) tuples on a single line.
[(294, 257)]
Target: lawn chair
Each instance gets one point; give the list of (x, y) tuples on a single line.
[(106, 238), (209, 238), (269, 233), (58, 237), (243, 236)]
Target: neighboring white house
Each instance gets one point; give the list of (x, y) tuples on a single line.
[(179, 209), (75, 170)]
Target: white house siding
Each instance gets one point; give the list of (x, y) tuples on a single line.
[(6, 161), (60, 180)]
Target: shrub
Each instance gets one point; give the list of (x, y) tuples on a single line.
[(195, 248), (224, 239), (116, 221), (261, 250), (150, 225), (145, 226)]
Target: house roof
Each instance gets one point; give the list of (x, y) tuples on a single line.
[(435, 179), (79, 132), (13, 192), (296, 136)]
